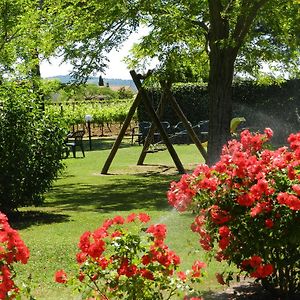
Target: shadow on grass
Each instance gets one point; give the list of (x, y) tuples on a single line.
[(104, 144), (141, 192), (25, 219)]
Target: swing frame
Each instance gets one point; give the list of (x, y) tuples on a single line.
[(143, 96)]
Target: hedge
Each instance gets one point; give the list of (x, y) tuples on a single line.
[(273, 106)]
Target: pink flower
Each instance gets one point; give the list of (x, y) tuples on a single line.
[(296, 189), (268, 132)]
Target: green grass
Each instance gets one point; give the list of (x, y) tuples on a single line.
[(82, 198)]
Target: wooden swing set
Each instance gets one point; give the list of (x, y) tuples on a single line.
[(156, 124)]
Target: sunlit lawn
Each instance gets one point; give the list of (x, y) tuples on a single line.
[(82, 198)]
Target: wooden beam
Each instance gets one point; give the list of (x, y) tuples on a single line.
[(151, 132), (155, 119), (119, 139)]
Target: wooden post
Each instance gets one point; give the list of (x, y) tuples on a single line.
[(157, 122), (118, 141)]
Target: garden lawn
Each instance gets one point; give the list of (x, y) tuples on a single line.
[(82, 198)]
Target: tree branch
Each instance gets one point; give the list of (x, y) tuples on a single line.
[(245, 20), (202, 25)]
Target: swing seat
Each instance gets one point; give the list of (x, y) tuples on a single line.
[(150, 151)]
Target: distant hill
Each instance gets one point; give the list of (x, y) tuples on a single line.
[(111, 82)]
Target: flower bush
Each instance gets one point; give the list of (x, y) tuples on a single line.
[(125, 259), (12, 250), (247, 208)]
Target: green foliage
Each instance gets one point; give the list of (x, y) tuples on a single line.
[(125, 259), (31, 145), (124, 93), (248, 209), (112, 111), (80, 92), (192, 98)]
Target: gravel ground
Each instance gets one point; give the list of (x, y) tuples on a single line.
[(246, 290)]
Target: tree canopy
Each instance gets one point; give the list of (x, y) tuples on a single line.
[(208, 39)]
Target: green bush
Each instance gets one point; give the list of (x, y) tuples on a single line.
[(31, 145)]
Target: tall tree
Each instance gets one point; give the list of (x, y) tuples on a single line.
[(10, 11), (232, 35)]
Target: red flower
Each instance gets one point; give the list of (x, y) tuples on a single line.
[(224, 231), (61, 276), (224, 242), (262, 271), (181, 275), (269, 223), (218, 215), (147, 274), (296, 189), (118, 220), (116, 233), (255, 261), (81, 257), (146, 260), (144, 218), (220, 278), (245, 200), (292, 201), (84, 242), (131, 218), (268, 132), (262, 207), (159, 231), (81, 276), (96, 249), (126, 269), (102, 262), (197, 267)]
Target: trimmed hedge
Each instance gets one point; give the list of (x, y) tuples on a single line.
[(273, 106)]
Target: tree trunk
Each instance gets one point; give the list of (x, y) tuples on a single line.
[(220, 100)]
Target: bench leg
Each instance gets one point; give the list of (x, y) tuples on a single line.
[(82, 151), (74, 151)]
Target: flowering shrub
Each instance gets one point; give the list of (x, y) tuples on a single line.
[(12, 249), (247, 208), (125, 259)]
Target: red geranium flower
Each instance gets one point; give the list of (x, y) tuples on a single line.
[(144, 218), (61, 276)]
